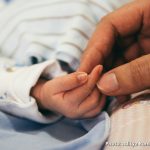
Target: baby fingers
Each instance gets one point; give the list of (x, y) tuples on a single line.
[(79, 94), (95, 111), (92, 105), (67, 82)]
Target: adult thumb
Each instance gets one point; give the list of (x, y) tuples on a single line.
[(127, 79)]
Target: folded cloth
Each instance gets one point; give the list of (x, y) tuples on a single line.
[(21, 134), (15, 87)]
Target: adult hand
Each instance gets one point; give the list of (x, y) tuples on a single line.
[(130, 27)]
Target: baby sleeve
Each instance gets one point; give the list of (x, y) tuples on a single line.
[(15, 87)]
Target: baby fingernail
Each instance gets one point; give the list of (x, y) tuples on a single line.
[(108, 83), (82, 76)]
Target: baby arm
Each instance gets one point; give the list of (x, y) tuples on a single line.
[(74, 95)]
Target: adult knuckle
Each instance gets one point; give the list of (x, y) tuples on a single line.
[(140, 71), (135, 68)]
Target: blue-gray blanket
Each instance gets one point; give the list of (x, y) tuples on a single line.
[(21, 134)]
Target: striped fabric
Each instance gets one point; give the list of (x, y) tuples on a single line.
[(49, 28)]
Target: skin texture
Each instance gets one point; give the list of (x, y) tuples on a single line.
[(122, 38), (70, 95)]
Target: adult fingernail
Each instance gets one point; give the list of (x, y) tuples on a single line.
[(108, 83), (82, 76)]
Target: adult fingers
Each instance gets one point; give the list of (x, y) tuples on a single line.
[(123, 22), (126, 79)]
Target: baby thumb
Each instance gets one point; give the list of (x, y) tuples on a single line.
[(128, 78)]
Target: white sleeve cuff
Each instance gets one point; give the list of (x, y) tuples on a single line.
[(15, 90)]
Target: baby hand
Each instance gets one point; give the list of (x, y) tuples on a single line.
[(74, 95)]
